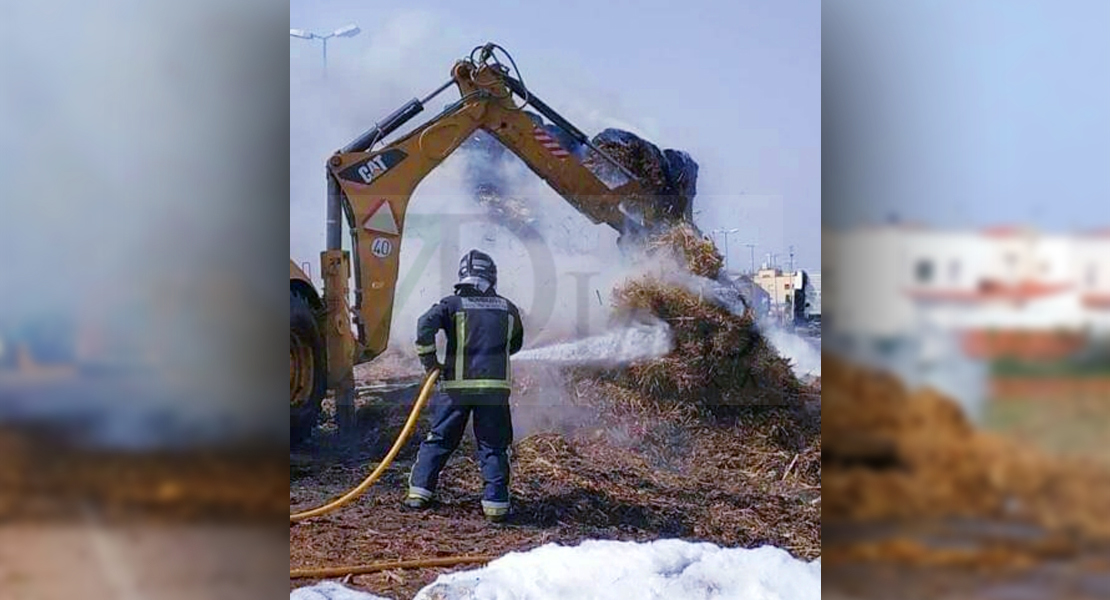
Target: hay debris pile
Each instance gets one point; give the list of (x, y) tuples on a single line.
[(720, 361), (43, 478), (893, 454), (693, 251), (717, 437)]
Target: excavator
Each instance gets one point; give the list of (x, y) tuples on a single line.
[(370, 184)]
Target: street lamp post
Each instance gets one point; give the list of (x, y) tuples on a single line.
[(346, 31), (726, 232)]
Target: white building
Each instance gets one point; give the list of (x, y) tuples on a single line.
[(1092, 272), (889, 281), (781, 289)]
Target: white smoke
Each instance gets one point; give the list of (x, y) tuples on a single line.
[(410, 53), (805, 358), (560, 275), (928, 357)]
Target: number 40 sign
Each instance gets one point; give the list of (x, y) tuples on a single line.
[(381, 247)]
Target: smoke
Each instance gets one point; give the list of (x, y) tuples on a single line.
[(926, 358), (805, 359), (409, 53)]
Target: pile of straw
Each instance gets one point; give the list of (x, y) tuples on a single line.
[(897, 454)]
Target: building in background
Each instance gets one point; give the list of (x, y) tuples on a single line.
[(792, 297), (1092, 264), (1005, 292)]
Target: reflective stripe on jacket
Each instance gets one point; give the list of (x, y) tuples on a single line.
[(483, 330)]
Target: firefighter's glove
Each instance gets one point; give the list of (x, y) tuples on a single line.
[(430, 363)]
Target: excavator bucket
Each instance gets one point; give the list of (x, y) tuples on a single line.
[(669, 176)]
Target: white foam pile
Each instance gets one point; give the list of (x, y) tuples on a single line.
[(616, 347), (603, 570), (330, 590)]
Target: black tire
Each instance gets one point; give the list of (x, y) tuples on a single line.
[(305, 340)]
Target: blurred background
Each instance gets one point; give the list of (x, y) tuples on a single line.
[(966, 252), (143, 172)]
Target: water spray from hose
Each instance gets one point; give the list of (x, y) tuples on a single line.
[(622, 346)]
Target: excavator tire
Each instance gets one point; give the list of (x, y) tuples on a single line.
[(307, 369)]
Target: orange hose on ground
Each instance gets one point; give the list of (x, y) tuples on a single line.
[(406, 432), (329, 572)]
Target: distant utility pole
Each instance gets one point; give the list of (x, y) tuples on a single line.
[(726, 232), (751, 251), (791, 259), (346, 31)]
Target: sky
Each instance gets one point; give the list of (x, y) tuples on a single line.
[(735, 84), (967, 114)]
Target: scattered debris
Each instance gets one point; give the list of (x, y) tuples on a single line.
[(694, 251)]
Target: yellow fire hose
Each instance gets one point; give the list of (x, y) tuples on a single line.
[(402, 438), (406, 432), (330, 572)]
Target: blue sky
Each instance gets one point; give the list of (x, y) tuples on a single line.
[(735, 84), (969, 113)]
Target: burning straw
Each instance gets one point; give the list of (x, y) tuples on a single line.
[(719, 360), (695, 252), (711, 441)]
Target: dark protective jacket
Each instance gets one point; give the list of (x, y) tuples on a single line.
[(483, 330)]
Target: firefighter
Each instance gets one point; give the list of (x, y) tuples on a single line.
[(483, 331)]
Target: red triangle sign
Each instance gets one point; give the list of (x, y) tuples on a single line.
[(382, 220)]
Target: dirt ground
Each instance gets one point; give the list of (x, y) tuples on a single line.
[(689, 482)]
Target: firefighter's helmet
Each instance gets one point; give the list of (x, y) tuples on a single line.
[(478, 269)]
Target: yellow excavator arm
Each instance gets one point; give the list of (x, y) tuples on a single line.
[(369, 190), (372, 188)]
